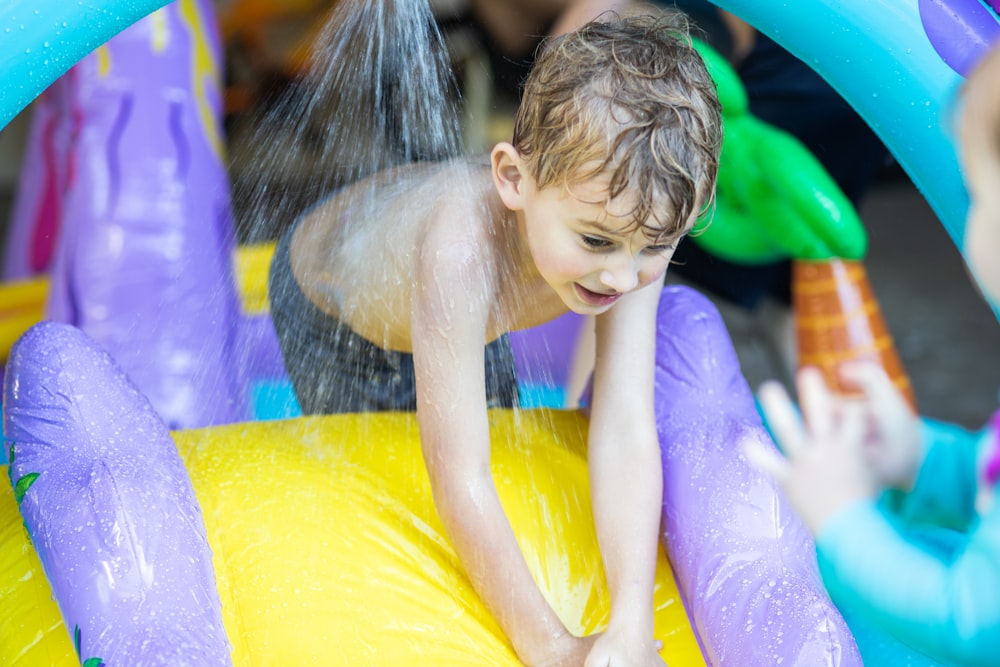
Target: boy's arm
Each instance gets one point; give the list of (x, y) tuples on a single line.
[(449, 330), (625, 468)]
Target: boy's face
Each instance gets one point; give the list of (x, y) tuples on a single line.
[(579, 248)]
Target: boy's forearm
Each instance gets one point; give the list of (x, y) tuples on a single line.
[(488, 550), (626, 488)]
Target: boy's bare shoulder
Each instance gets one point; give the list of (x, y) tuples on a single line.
[(463, 201), (460, 233), (359, 255)]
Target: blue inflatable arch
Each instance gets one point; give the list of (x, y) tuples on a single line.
[(899, 63), (41, 39)]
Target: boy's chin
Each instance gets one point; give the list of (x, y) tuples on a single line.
[(580, 309)]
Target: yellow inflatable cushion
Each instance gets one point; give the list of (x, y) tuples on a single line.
[(22, 304), (328, 550)]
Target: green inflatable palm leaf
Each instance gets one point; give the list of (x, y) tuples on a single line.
[(774, 199)]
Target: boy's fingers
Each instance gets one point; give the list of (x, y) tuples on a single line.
[(782, 418)]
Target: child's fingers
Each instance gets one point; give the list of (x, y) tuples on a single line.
[(766, 459), (782, 418), (853, 424), (816, 401), (873, 381)]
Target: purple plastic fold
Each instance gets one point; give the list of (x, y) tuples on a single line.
[(543, 355), (744, 562), (109, 507), (144, 257), (961, 31), (44, 172)]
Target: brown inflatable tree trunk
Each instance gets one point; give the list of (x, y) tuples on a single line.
[(839, 319)]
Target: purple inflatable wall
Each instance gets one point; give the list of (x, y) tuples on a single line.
[(745, 563), (109, 507), (143, 258)]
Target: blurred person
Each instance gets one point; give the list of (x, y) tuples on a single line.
[(907, 529)]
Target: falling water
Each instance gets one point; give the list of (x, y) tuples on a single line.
[(378, 93)]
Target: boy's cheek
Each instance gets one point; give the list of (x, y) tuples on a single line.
[(649, 277)]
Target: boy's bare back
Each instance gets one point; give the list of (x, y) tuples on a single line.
[(356, 255)]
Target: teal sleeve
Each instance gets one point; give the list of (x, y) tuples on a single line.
[(944, 492), (947, 606)]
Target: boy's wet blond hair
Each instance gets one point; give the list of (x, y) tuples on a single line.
[(630, 95)]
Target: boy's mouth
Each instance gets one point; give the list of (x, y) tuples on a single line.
[(595, 298)]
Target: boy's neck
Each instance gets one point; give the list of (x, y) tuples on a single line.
[(532, 300)]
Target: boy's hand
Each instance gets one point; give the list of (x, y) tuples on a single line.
[(600, 650), (566, 651), (618, 650), (825, 467)]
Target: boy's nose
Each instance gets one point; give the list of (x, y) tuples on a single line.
[(624, 277)]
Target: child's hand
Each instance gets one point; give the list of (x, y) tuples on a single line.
[(599, 650), (893, 442), (619, 650), (566, 651), (825, 467)]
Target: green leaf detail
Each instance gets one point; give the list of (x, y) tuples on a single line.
[(23, 485), (10, 465), (89, 662)]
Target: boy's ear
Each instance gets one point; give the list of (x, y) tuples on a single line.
[(508, 175)]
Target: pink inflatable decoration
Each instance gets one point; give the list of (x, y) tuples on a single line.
[(38, 205)]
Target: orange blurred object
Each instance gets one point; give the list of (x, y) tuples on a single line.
[(267, 41), (240, 15), (838, 319)]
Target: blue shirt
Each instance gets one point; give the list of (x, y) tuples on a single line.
[(922, 565)]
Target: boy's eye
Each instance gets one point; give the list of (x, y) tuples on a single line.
[(596, 242), (659, 249)]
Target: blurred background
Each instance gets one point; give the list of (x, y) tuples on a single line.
[(947, 337)]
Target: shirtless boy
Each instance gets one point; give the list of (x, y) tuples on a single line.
[(393, 294)]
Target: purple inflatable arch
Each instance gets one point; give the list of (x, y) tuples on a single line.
[(744, 562)]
